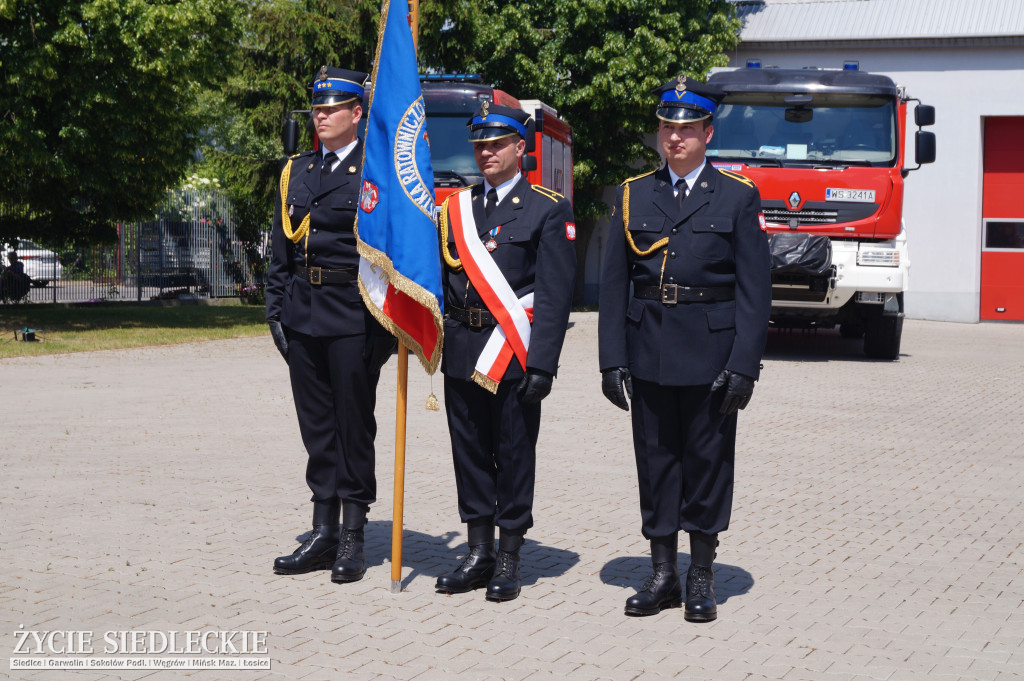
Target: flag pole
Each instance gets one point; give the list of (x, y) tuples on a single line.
[(400, 406), (396, 521)]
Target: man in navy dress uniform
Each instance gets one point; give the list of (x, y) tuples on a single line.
[(509, 259), (685, 298), (333, 345)]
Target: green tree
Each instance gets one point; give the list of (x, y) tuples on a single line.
[(98, 114), (596, 62), (283, 44)]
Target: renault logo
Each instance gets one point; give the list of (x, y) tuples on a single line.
[(794, 200)]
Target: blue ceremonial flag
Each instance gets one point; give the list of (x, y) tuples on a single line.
[(400, 265)]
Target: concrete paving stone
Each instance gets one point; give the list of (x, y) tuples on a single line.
[(840, 508)]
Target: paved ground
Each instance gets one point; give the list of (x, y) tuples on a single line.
[(876, 532)]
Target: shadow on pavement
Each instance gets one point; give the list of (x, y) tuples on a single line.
[(631, 571), (815, 345)]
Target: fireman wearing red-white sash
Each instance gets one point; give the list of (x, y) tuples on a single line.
[(508, 277)]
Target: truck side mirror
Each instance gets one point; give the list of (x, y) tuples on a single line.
[(528, 163), (924, 147), (924, 115), (531, 136), (290, 136)]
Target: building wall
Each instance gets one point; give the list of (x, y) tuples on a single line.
[(942, 205)]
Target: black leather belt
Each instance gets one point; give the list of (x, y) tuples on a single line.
[(474, 316), (319, 275), (670, 294)]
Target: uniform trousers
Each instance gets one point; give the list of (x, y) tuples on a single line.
[(334, 393), (685, 451), (494, 449)]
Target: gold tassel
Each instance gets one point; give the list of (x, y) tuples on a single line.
[(432, 399)]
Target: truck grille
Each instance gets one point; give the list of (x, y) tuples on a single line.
[(802, 217)]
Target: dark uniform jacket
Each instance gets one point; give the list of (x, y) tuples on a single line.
[(325, 309), (714, 240), (536, 252)]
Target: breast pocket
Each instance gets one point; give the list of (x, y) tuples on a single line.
[(711, 237), (514, 252), (297, 203), (645, 231)]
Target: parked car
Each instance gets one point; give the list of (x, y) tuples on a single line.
[(41, 264)]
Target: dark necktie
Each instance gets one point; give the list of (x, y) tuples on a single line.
[(492, 202), (328, 166), (682, 189)]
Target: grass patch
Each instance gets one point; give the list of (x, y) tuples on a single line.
[(111, 327)]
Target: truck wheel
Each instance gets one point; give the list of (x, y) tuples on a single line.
[(882, 336)]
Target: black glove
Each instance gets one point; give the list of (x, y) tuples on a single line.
[(535, 386), (279, 336), (738, 389), (377, 350), (612, 382)]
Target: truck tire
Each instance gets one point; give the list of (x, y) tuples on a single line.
[(882, 336)]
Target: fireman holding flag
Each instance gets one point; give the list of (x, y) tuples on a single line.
[(510, 260), (334, 347)]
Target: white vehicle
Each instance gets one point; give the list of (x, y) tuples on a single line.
[(41, 264)]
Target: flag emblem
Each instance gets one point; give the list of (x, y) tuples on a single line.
[(369, 197), (570, 231)]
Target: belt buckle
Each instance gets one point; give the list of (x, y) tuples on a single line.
[(665, 299), (476, 317), (314, 276)]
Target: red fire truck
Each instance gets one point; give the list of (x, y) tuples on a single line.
[(825, 147), (451, 100)]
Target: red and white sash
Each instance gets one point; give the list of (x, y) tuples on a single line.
[(511, 338)]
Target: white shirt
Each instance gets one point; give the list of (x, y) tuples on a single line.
[(691, 177), (342, 153), (504, 188)]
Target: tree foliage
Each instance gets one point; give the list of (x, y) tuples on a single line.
[(98, 114), (596, 62)]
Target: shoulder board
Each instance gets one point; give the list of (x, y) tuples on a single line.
[(457, 191), (637, 177), (737, 177), (551, 194)]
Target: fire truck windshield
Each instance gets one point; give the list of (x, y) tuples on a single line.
[(451, 152), (830, 129)]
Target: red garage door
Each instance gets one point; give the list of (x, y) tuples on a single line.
[(1002, 252)]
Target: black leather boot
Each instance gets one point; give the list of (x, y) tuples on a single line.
[(700, 579), (477, 567), (350, 563), (505, 584), (662, 589), (317, 552)]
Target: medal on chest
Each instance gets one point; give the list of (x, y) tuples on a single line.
[(491, 244)]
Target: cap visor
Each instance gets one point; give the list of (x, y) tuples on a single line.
[(679, 114), (332, 100), (493, 133)]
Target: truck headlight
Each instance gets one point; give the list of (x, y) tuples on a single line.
[(878, 257)]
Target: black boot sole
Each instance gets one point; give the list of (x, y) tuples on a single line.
[(345, 579), (326, 565), (700, 617), (501, 598), (645, 612), (460, 589)]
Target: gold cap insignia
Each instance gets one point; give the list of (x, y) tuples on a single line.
[(680, 86), (483, 109), (323, 73)]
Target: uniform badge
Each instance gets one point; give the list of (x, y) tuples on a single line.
[(703, 185), (515, 199), (760, 218), (323, 73), (291, 211), (570, 231), (309, 167), (351, 169), (484, 105), (368, 197)]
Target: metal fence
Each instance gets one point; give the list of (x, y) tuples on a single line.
[(190, 251)]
